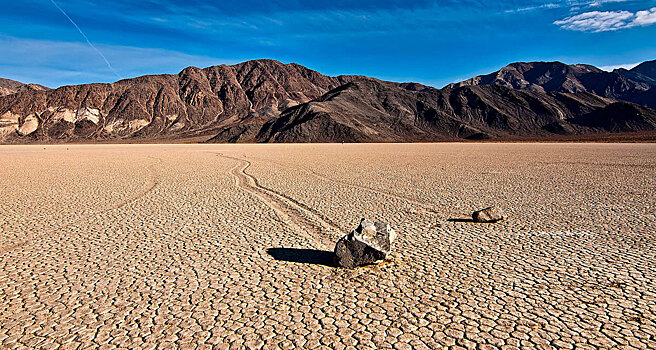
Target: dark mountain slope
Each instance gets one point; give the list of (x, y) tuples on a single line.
[(370, 111), (560, 77), (630, 85), (644, 72), (646, 98)]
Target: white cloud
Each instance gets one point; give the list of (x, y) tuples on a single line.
[(645, 18), (536, 7), (617, 66), (603, 21), (597, 21), (573, 5), (601, 2)]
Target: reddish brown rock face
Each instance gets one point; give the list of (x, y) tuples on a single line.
[(8, 87), (195, 101)]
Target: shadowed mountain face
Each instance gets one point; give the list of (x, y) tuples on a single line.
[(369, 111), (644, 72), (8, 87), (267, 101), (620, 84)]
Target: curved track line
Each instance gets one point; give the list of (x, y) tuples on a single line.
[(151, 184), (299, 216), (366, 188)]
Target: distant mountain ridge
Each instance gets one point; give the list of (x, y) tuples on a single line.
[(623, 84), (8, 87), (268, 101), (644, 72)]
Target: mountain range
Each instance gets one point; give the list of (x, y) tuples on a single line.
[(268, 101)]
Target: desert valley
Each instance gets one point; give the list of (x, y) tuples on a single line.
[(268, 205)]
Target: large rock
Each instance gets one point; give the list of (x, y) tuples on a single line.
[(491, 214), (370, 243)]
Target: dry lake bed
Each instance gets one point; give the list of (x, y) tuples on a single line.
[(230, 246)]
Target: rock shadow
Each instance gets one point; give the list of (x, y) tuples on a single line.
[(305, 256), (460, 220)]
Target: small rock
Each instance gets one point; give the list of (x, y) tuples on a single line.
[(368, 244), (491, 214)]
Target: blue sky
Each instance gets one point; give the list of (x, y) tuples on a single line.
[(433, 42)]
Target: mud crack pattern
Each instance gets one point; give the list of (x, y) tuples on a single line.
[(170, 246)]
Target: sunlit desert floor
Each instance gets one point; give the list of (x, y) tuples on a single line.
[(186, 246)]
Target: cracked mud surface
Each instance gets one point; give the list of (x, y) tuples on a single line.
[(202, 246)]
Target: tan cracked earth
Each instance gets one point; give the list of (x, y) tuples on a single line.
[(227, 246)]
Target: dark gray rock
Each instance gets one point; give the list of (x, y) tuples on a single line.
[(370, 243), (491, 214)]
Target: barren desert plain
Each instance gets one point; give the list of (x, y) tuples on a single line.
[(230, 246)]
